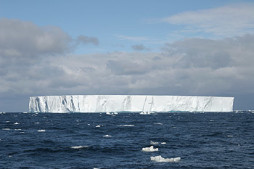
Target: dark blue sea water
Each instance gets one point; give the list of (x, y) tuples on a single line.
[(202, 140)]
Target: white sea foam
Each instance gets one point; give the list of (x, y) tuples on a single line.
[(158, 123), (150, 149), (16, 123), (163, 143), (17, 129), (6, 129), (126, 125), (41, 131), (78, 147), (98, 126), (107, 135), (161, 159), (154, 142), (111, 113)]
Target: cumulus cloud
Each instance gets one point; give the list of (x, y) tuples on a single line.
[(88, 40), (19, 38), (139, 47), (229, 20)]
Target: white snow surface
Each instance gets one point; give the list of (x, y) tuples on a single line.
[(129, 103)]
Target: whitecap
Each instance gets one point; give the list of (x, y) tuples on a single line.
[(150, 149), (163, 143), (17, 129), (107, 135), (154, 142), (78, 147), (16, 123), (41, 131), (126, 125), (6, 129), (158, 123), (98, 126), (161, 159)]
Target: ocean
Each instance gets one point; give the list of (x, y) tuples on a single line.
[(86, 140)]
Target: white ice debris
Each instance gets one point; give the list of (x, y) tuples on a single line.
[(150, 149), (129, 103), (161, 159)]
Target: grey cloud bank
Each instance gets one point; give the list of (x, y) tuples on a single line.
[(37, 61)]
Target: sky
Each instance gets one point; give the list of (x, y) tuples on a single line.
[(160, 47)]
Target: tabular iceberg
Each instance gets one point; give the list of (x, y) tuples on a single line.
[(129, 103)]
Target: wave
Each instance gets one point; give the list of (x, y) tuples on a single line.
[(78, 147)]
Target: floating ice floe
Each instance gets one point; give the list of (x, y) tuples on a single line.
[(150, 149), (161, 159), (78, 147), (41, 131)]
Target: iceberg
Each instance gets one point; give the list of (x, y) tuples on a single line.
[(150, 149), (129, 103), (161, 159)]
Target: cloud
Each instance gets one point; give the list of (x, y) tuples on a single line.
[(87, 40), (139, 47), (132, 38), (231, 20), (188, 67), (19, 38)]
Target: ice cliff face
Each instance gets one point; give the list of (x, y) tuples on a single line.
[(130, 103)]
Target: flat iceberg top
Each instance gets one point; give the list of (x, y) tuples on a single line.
[(129, 103)]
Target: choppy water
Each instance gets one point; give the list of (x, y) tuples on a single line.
[(202, 140)]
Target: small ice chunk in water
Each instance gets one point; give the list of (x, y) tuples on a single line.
[(161, 159), (78, 147), (41, 131), (150, 149)]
